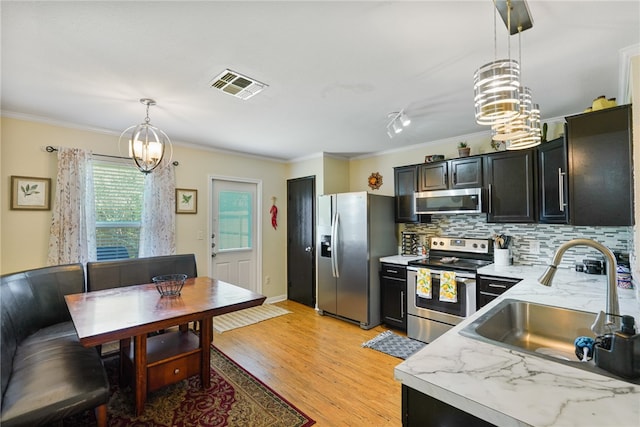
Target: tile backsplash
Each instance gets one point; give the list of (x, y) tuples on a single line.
[(526, 237)]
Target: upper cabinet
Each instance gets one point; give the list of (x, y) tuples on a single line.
[(599, 147), (406, 184), (510, 180), (456, 173), (552, 182)]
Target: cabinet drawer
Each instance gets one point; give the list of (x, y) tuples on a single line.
[(495, 285), (394, 271), (172, 371)]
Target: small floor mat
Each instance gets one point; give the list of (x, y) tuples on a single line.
[(248, 316), (393, 344)]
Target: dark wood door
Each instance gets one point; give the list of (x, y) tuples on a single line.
[(552, 184), (433, 177), (465, 173), (301, 260), (510, 178), (600, 167)]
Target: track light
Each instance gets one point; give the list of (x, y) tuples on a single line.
[(399, 120)]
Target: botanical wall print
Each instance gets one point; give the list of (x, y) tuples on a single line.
[(30, 193), (186, 201)]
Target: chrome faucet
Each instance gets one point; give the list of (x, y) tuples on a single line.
[(613, 307)]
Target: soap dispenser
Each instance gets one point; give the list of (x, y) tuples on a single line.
[(619, 353)]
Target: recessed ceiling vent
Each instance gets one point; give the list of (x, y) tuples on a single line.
[(237, 85)]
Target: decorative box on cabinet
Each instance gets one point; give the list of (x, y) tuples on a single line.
[(600, 161), (552, 182), (510, 179)]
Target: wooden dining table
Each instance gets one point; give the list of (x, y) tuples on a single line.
[(130, 313)]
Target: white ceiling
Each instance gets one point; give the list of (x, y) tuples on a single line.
[(335, 69)]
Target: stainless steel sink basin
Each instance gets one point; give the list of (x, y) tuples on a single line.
[(541, 330)]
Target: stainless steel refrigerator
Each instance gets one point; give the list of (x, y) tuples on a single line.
[(354, 230)]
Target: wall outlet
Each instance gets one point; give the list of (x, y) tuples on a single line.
[(267, 280), (534, 247)]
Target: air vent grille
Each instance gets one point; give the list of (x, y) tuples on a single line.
[(237, 85)]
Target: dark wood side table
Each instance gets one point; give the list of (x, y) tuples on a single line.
[(134, 311)]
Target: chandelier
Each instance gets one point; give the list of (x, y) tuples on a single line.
[(500, 99), (147, 144)]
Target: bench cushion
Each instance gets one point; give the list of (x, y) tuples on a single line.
[(53, 377)]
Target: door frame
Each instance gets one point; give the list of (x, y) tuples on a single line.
[(258, 233)]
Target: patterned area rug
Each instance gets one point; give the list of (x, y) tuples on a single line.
[(248, 316), (394, 344), (235, 398)]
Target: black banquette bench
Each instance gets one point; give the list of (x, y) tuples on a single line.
[(47, 374)]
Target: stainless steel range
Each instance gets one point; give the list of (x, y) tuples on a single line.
[(428, 318)]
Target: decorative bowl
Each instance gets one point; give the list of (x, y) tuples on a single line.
[(169, 285)]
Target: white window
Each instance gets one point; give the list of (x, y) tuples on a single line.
[(118, 189)]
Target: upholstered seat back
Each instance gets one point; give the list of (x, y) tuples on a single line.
[(32, 300), (137, 271)]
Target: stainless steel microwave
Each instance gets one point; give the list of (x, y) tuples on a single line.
[(463, 200)]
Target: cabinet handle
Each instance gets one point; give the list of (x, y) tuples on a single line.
[(495, 285), (444, 179), (561, 189), (401, 303), (392, 271), (455, 178), (490, 194), (176, 371)]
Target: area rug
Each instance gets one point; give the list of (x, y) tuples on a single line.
[(248, 316), (393, 344), (235, 398)]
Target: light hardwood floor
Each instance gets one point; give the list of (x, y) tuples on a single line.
[(317, 363)]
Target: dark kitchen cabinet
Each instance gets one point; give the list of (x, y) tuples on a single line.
[(489, 288), (420, 410), (552, 182), (599, 146), (510, 179), (456, 173), (406, 184), (393, 286)]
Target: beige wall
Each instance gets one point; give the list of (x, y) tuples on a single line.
[(25, 234), (635, 97)]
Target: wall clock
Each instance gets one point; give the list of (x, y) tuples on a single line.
[(375, 181)]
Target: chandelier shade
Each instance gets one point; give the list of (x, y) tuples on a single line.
[(496, 96), (147, 144)]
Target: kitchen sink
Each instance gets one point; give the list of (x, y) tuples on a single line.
[(540, 330)]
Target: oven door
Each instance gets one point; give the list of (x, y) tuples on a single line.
[(429, 308)]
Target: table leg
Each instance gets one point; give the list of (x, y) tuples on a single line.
[(140, 371), (125, 345), (206, 337)]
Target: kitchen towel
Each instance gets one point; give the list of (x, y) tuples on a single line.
[(423, 283), (448, 286)]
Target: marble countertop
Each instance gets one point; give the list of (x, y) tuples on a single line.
[(401, 259), (510, 388)]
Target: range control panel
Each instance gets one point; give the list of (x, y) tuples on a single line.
[(478, 246)]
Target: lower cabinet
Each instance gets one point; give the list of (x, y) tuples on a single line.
[(420, 410), (489, 288), (393, 288)]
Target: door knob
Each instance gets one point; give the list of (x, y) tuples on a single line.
[(307, 249), (213, 254)]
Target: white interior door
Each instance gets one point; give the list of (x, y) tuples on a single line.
[(234, 237)]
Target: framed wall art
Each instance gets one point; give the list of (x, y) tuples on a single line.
[(30, 193), (186, 201)]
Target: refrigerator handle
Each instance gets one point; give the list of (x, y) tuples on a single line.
[(334, 245)]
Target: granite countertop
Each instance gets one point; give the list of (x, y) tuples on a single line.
[(510, 388), (401, 259)]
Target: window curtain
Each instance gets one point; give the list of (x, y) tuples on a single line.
[(72, 235), (157, 231)]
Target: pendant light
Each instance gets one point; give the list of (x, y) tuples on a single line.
[(147, 143), (495, 86)]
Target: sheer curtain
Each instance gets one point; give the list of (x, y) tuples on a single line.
[(72, 236), (157, 231)]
